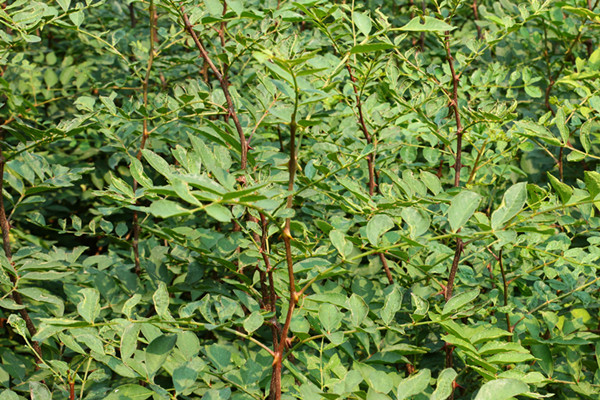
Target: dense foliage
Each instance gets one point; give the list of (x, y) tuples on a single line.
[(250, 199)]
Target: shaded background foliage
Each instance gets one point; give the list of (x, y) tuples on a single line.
[(137, 244)]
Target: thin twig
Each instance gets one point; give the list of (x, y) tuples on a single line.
[(275, 389), (365, 130), (224, 86), (476, 18), (457, 167), (136, 224)]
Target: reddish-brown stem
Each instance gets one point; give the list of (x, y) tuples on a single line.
[(5, 226), (457, 168), (145, 134), (71, 390), (370, 157), (454, 106), (224, 86), (476, 18), (269, 269), (222, 38), (386, 268), (453, 269), (275, 393), (365, 131)]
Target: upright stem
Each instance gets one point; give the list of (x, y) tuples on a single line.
[(145, 134), (454, 106), (476, 17), (365, 130), (457, 168), (275, 393), (132, 15), (370, 159), (5, 226), (224, 86)]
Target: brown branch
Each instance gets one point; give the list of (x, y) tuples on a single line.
[(132, 15), (457, 167), (370, 159), (275, 388), (365, 130), (454, 106), (5, 226), (453, 269), (476, 18), (136, 225), (222, 38), (224, 86), (386, 268)]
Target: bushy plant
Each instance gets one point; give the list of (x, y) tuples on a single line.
[(312, 199)]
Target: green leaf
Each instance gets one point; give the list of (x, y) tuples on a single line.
[(330, 317), (39, 391), (219, 355), (421, 307), (427, 24), (460, 300), (393, 303), (253, 322), (157, 162), (129, 392), (533, 91), (545, 359), (377, 226), (129, 340), (338, 239), (362, 22), (161, 302), (510, 357), (219, 212), (370, 47), (444, 385), (64, 4), (10, 304), (89, 307), (561, 124), (502, 389), (592, 182), (462, 208), (157, 352), (130, 304), (431, 181), (167, 209), (513, 201), (418, 222), (564, 191), (184, 377), (8, 394), (214, 7), (414, 384), (85, 103), (358, 309), (77, 18)]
